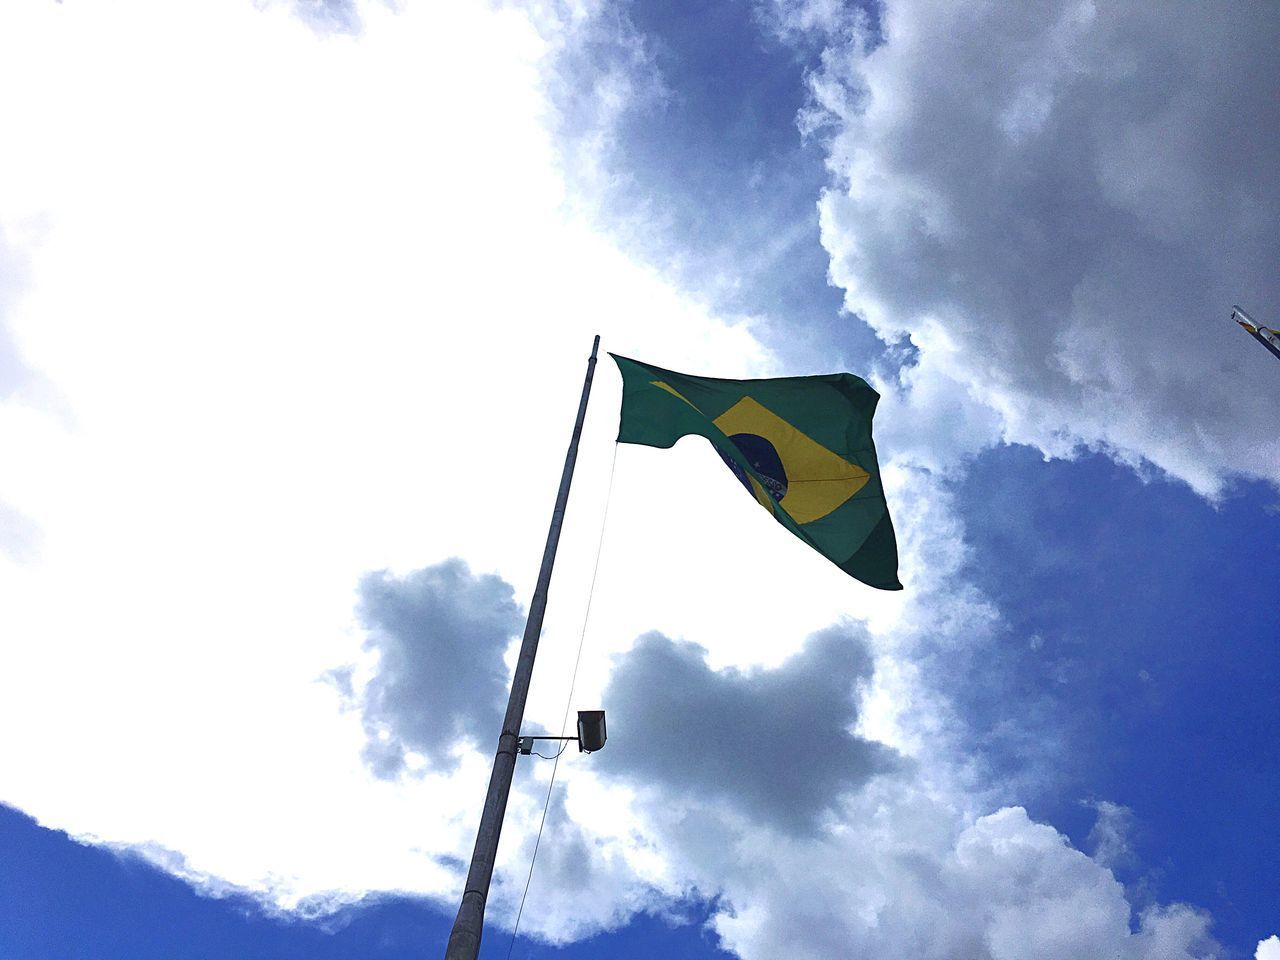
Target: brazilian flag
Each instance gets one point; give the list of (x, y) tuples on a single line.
[(800, 445)]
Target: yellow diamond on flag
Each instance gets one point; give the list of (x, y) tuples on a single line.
[(817, 481)]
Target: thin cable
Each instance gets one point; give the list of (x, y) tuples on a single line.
[(554, 756), (595, 570)]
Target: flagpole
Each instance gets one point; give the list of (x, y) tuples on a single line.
[(464, 940)]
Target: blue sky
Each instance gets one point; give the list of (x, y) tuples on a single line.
[(1023, 226), (1155, 665)]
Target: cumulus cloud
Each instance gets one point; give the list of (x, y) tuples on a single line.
[(1268, 949), (776, 744), (1109, 835), (336, 16), (582, 885), (439, 634), (1058, 204), (904, 859), (1000, 887), (274, 385), (16, 378), (350, 290), (702, 765), (901, 872), (810, 21), (19, 536)]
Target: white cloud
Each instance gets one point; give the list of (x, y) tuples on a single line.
[(907, 862), (1109, 835), (439, 634), (904, 873), (775, 744), (310, 305), (1268, 949), (1059, 204)]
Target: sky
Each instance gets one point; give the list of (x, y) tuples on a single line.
[(295, 305)]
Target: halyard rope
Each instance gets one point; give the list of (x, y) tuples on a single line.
[(564, 723)]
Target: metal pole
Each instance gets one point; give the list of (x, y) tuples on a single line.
[(464, 941)]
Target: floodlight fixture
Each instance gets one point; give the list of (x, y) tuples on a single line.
[(591, 732), (590, 738)]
